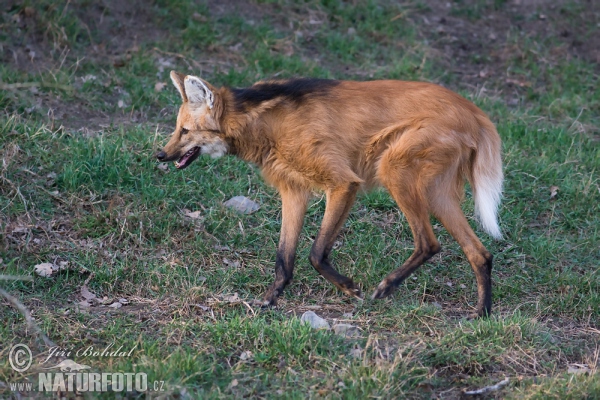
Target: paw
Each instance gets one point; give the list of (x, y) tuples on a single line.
[(348, 286), (478, 315), (473, 316), (383, 290), (354, 292), (269, 299)]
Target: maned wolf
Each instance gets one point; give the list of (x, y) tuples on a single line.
[(418, 140)]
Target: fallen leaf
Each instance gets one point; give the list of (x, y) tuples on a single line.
[(246, 355), (86, 294), (45, 269), (158, 86), (121, 104), (518, 82), (578, 369), (163, 166), (20, 229), (230, 263), (234, 383), (192, 214), (116, 305), (199, 17), (553, 191), (123, 301), (232, 299)]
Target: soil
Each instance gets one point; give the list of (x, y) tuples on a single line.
[(478, 50), (474, 40)]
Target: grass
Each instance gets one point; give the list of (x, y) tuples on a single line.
[(96, 199)]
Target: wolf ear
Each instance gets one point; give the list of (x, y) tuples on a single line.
[(197, 91), (178, 80)]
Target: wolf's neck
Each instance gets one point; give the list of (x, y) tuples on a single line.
[(247, 133)]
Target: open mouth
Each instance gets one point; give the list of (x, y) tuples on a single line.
[(187, 158)]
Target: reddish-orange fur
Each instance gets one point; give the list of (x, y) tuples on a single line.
[(418, 140)]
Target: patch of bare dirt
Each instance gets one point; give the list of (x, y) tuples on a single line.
[(479, 40), (111, 28), (108, 33)]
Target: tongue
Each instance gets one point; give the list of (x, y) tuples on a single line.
[(183, 161)]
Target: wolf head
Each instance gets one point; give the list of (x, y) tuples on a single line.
[(197, 130)]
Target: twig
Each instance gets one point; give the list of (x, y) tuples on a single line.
[(23, 85), (16, 278), (18, 191), (30, 322), (488, 389)]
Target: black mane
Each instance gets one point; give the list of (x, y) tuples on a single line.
[(295, 90)]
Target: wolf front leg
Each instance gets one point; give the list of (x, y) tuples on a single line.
[(339, 203), (293, 209)]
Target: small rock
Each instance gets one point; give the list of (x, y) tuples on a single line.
[(84, 304), (246, 355), (123, 301), (116, 305), (346, 330), (242, 204), (314, 320)]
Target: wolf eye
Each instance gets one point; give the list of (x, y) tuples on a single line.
[(184, 131)]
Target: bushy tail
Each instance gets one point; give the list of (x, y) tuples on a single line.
[(487, 180)]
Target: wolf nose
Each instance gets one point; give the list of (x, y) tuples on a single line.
[(161, 155)]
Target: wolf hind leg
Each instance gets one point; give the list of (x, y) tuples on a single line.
[(414, 207), (451, 216)]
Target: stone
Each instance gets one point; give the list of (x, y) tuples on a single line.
[(314, 320), (346, 330), (242, 204)]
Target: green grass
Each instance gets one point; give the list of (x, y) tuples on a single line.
[(98, 200)]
